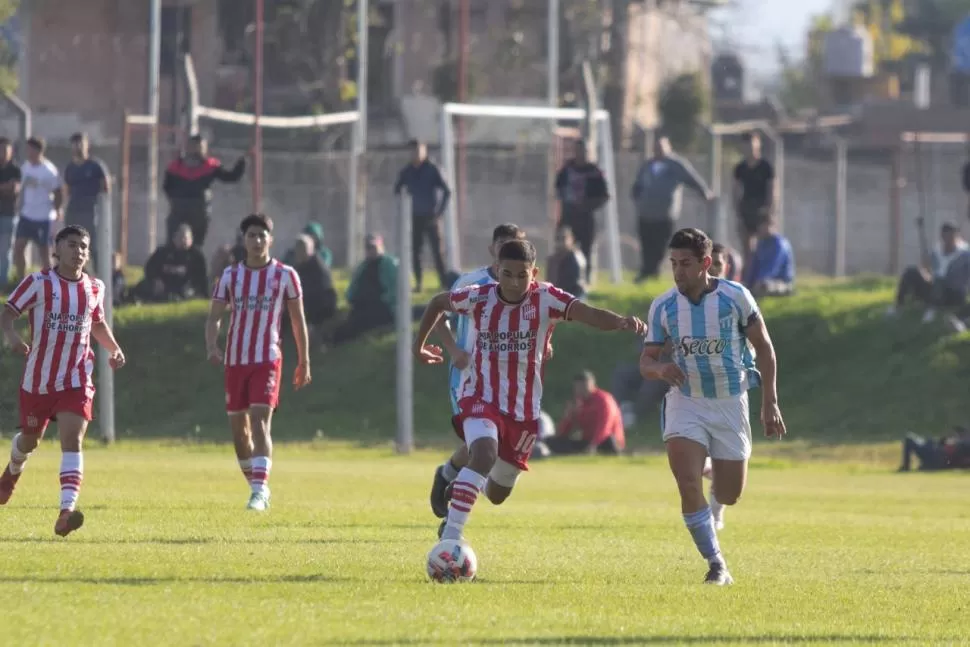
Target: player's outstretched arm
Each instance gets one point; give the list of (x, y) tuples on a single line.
[(213, 324), (301, 377), (103, 334), (458, 356), (439, 304), (767, 363), (604, 319)]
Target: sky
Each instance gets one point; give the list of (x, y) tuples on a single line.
[(755, 26)]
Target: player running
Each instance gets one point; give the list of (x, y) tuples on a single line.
[(501, 395), (708, 322), (256, 291), (65, 308), (460, 353)]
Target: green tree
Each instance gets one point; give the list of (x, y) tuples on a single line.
[(8, 59), (682, 104)]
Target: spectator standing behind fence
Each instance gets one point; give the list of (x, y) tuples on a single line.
[(40, 206), (754, 193), (581, 189), (188, 186), (657, 194), (85, 178), (424, 182), (9, 192), (174, 272)]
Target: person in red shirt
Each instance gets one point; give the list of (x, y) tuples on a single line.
[(597, 416)]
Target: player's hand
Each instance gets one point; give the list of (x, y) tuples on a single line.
[(429, 354), (672, 374), (772, 421), (18, 345), (117, 359), (215, 355), (301, 375), (461, 360), (633, 324)]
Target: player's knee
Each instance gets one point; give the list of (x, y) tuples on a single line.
[(497, 495), (481, 436), (728, 498)]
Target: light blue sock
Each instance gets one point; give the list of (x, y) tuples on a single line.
[(701, 527)]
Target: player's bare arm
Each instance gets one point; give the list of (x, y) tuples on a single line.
[(439, 305), (103, 334), (767, 363), (301, 375), (652, 367), (459, 357), (213, 324), (7, 318), (603, 319)]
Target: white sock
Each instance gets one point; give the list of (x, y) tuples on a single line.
[(463, 497), (72, 473), (260, 478), (448, 471), (717, 508), (246, 466), (17, 457)]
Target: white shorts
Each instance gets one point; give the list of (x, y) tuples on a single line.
[(721, 425)]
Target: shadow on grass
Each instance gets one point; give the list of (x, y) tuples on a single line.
[(188, 541), (658, 640), (317, 578)]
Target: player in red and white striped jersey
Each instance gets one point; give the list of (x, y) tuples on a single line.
[(256, 291), (502, 394), (65, 308)]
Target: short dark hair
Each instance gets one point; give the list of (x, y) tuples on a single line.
[(694, 240), (37, 143), (584, 376), (256, 220), (72, 230), (518, 250), (565, 229), (949, 227), (718, 248), (79, 137), (751, 135), (508, 231), (415, 143)]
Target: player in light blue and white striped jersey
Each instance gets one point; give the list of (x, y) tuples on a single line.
[(706, 323), (465, 333)]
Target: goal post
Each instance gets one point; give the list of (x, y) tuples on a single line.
[(605, 157)]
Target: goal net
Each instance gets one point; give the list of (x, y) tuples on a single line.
[(502, 174), (309, 173)]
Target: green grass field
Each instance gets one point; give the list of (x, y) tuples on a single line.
[(822, 553), (827, 546)]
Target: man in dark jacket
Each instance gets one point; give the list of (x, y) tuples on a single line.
[(319, 295), (566, 267), (424, 182), (657, 193), (188, 186), (176, 271), (581, 189)]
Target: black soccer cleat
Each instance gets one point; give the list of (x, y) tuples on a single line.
[(440, 494), (441, 527), (718, 575)]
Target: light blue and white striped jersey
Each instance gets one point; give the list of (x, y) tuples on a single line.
[(709, 342), (463, 327)]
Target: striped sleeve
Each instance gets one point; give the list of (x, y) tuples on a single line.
[(555, 302), (656, 331), (97, 315), (293, 289), (463, 300), (222, 290), (26, 295), (747, 305)]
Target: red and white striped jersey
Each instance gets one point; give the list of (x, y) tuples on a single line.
[(256, 297), (510, 342), (61, 313)]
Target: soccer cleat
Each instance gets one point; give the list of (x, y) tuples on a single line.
[(441, 527), (439, 493), (67, 522), (7, 484), (259, 501), (718, 575)]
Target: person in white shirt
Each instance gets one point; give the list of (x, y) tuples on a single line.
[(40, 206)]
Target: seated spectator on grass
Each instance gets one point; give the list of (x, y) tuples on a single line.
[(315, 231), (949, 452), (942, 280), (372, 293), (772, 268), (595, 415), (566, 267), (175, 272), (225, 256), (319, 295), (726, 263)]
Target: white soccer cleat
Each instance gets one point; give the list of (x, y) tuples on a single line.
[(259, 501)]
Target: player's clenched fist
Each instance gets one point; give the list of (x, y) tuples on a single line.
[(429, 354), (301, 375), (634, 324), (117, 359)]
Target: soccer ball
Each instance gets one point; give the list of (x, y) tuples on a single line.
[(452, 561)]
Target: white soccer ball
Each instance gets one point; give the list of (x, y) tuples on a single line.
[(452, 561)]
